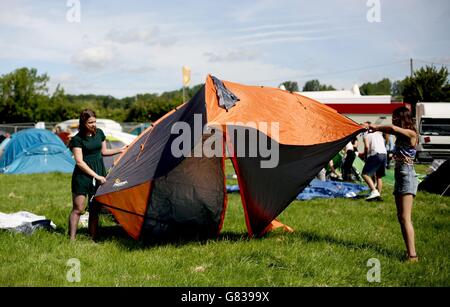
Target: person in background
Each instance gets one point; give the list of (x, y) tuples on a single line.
[(351, 150), (375, 163), (88, 146), (390, 145), (405, 187)]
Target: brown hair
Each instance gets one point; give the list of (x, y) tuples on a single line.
[(84, 117), (405, 118)]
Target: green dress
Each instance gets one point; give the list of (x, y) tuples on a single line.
[(91, 147)]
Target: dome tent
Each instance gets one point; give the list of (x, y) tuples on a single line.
[(36, 151), (153, 192)]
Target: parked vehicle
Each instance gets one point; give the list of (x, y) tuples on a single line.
[(433, 126)]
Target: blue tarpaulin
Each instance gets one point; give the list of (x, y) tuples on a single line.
[(323, 189)]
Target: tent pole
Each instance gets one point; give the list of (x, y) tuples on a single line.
[(445, 190)]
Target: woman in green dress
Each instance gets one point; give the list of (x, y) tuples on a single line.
[(88, 146)]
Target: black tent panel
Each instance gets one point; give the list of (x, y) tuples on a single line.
[(268, 191), (188, 201), (151, 156), (438, 182)]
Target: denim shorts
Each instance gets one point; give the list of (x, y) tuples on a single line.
[(405, 179), (375, 165)]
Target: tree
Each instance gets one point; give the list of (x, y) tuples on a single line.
[(290, 86), (314, 86), (427, 84), (397, 90), (61, 107), (382, 87), (21, 91)]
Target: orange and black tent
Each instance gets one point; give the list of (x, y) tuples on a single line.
[(153, 192)]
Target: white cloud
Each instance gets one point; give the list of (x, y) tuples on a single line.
[(93, 58), (138, 69), (136, 35), (232, 56)]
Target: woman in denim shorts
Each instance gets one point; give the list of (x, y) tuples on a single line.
[(405, 188)]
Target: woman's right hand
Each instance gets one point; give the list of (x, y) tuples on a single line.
[(101, 179)]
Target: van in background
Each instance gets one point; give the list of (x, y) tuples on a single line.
[(433, 126)]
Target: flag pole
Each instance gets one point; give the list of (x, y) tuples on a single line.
[(186, 79)]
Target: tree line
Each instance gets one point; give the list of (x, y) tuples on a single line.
[(25, 97), (427, 84)]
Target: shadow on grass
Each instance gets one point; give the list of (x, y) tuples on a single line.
[(314, 237), (118, 235)]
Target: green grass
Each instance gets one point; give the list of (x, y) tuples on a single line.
[(331, 245)]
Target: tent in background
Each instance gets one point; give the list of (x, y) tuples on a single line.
[(154, 193), (36, 151), (104, 124), (438, 182), (116, 139)]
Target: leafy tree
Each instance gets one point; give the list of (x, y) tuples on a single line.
[(314, 86), (21, 91), (382, 87), (62, 108), (397, 90), (427, 84), (290, 86)]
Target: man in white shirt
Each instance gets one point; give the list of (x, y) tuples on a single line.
[(375, 166)]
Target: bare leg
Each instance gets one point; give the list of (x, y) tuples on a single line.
[(369, 181), (379, 184), (404, 205), (74, 217)]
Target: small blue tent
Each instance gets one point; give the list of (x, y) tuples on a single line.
[(36, 151)]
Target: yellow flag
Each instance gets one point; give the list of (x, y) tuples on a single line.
[(186, 75)]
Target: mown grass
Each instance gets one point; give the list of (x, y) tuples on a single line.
[(331, 245)]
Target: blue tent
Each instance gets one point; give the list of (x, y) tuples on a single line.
[(36, 151)]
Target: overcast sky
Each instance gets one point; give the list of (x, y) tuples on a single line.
[(126, 47)]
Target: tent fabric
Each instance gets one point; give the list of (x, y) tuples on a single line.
[(438, 182), (188, 200), (319, 123), (36, 151), (227, 99), (152, 190), (297, 166)]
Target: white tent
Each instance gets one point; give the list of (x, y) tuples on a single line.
[(104, 124)]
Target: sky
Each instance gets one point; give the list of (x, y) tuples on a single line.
[(122, 48)]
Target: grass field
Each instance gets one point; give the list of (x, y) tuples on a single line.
[(331, 245)]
